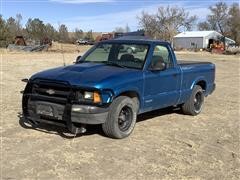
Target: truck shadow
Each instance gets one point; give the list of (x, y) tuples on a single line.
[(157, 113), (91, 129), (57, 130)]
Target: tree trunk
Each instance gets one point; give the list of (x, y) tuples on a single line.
[(224, 43)]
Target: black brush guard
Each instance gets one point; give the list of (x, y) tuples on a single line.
[(67, 102)]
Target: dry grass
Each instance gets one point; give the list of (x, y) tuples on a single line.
[(164, 145)]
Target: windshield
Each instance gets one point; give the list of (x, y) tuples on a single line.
[(118, 54)]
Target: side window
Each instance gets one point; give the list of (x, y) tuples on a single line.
[(162, 53)]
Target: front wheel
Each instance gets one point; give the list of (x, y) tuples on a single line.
[(129, 50), (194, 104), (121, 118)]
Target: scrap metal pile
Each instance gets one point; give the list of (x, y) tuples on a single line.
[(21, 45)]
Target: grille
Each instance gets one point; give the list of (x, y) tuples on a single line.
[(51, 92)]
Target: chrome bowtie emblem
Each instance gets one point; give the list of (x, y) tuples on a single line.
[(50, 91)]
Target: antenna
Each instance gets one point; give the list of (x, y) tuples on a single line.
[(64, 64)]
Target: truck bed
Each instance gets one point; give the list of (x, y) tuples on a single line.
[(183, 62), (195, 71)]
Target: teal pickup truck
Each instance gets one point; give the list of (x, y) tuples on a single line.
[(115, 81)]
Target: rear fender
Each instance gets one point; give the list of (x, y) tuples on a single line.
[(197, 80)]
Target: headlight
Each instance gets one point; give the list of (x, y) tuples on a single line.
[(88, 95), (92, 96)]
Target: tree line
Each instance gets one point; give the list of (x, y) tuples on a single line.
[(168, 21), (224, 19), (36, 30), (164, 24)]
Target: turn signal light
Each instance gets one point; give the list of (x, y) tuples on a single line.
[(96, 97)]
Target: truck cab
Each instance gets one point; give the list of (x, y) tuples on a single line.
[(111, 87)]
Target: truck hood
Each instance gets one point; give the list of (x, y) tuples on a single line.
[(89, 75)]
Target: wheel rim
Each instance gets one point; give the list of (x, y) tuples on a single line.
[(125, 118), (129, 50), (198, 101)]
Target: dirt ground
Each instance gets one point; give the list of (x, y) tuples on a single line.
[(164, 145)]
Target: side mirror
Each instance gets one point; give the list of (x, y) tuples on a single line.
[(78, 59), (158, 66)]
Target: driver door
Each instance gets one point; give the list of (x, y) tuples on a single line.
[(162, 88)]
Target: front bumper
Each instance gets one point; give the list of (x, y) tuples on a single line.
[(60, 108), (84, 114), (70, 116)]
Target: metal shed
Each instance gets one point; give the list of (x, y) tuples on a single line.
[(197, 39)]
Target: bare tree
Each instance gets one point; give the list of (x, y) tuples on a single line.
[(63, 33), (18, 23), (149, 24), (127, 28), (123, 29), (234, 22), (35, 29), (4, 33), (78, 34), (202, 26), (218, 18), (89, 35), (50, 32), (14, 27), (167, 22), (223, 19), (119, 29)]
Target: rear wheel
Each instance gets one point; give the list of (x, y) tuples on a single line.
[(121, 118), (194, 104)]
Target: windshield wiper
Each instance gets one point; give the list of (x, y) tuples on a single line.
[(111, 63), (89, 62)]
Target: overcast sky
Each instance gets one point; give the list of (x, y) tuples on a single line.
[(98, 15)]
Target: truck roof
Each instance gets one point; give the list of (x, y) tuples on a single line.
[(136, 39)]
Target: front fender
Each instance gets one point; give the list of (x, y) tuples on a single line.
[(129, 89), (126, 89)]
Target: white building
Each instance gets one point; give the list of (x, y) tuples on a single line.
[(198, 39)]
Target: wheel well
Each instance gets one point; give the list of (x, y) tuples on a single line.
[(203, 84), (132, 94)]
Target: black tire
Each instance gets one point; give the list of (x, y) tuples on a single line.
[(194, 104), (31, 123), (121, 118)]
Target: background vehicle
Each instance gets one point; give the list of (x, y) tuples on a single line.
[(132, 49), (82, 42), (112, 87)]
